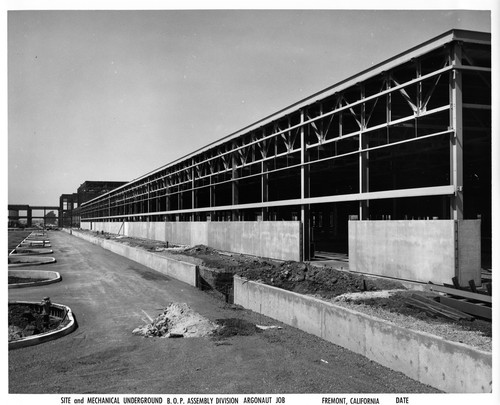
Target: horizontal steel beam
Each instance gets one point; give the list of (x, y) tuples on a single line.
[(375, 195)]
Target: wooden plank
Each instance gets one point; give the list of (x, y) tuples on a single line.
[(436, 309), (440, 307), (472, 286), (488, 288), (461, 293), (429, 311), (455, 282), (468, 307)]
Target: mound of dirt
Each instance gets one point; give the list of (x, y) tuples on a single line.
[(320, 281), (177, 320)]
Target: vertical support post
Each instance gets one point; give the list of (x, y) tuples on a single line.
[(388, 118), (305, 209), (264, 179), (363, 160), (264, 184), (180, 199), (147, 202), (211, 189), (194, 194), (234, 187), (456, 141), (168, 203)]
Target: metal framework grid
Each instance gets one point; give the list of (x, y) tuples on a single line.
[(331, 147)]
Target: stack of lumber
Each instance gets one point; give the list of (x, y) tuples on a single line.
[(472, 303), (436, 309)]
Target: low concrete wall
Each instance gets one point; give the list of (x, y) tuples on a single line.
[(273, 239), (29, 260), (469, 251), (185, 272), (420, 251), (448, 366), (44, 276), (86, 225), (109, 227)]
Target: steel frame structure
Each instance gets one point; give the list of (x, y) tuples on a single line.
[(344, 144)]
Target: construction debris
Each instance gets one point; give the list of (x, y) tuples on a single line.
[(177, 320)]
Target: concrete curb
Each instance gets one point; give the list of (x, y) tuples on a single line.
[(31, 251), (429, 359), (182, 271), (52, 276), (34, 244), (32, 261), (45, 337)]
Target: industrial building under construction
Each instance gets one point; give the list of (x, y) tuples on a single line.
[(391, 165)]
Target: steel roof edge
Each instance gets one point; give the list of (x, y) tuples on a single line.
[(420, 49)]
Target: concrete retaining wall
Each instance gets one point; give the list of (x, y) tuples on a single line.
[(448, 366), (420, 251), (277, 240), (185, 272)]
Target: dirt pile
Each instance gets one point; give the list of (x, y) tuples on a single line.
[(303, 278), (320, 281), (177, 320)]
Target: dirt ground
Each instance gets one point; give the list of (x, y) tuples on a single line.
[(21, 280), (329, 283), (24, 321)]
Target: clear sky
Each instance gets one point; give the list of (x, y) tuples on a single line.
[(111, 95)]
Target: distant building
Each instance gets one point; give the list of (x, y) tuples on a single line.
[(69, 204), (89, 190)]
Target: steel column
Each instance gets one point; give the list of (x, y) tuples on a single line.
[(305, 209), (234, 187), (363, 161), (456, 140)]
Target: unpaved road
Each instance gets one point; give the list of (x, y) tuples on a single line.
[(111, 295)]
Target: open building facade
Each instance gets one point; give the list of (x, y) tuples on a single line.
[(394, 151)]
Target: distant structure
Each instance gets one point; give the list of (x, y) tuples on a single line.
[(392, 159), (21, 215), (69, 204)]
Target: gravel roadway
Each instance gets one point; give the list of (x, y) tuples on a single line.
[(111, 295)]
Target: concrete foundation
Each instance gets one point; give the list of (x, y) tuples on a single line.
[(448, 366), (273, 239), (422, 251)]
